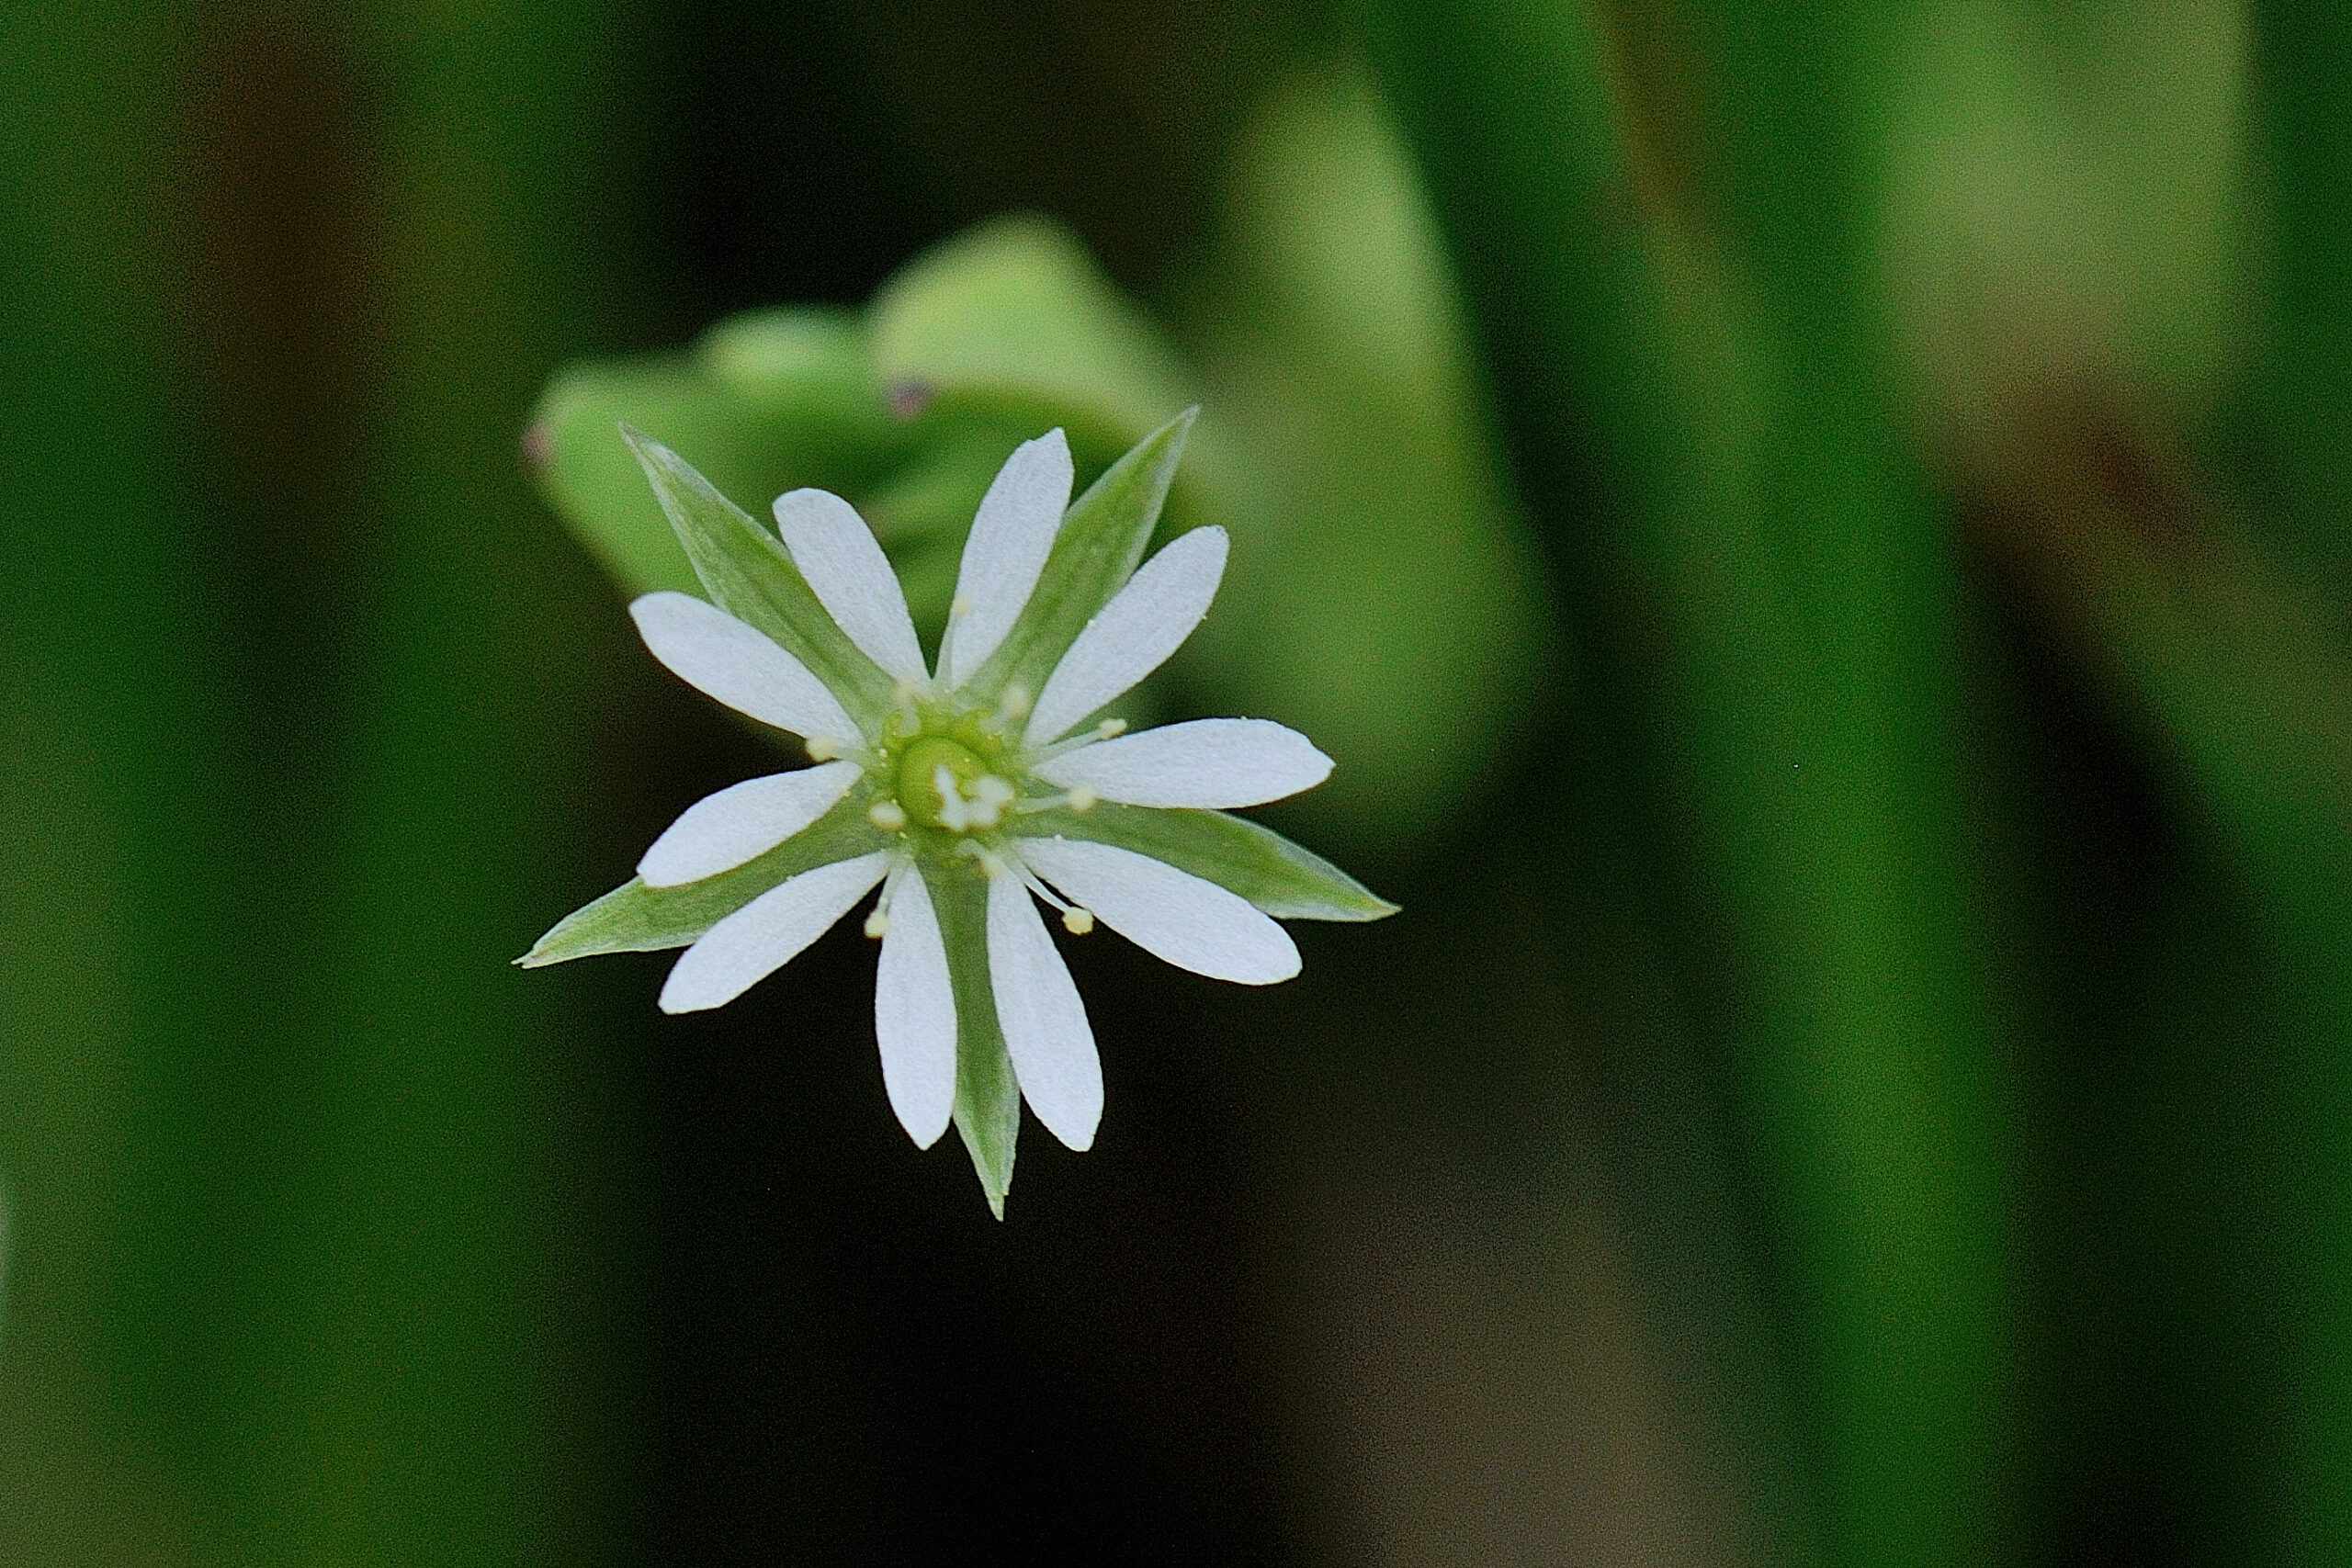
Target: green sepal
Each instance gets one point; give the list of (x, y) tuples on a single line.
[(988, 1098), (634, 918), (747, 573), (1101, 540), (1237, 854)]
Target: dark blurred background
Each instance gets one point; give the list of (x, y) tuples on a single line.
[(1859, 1077), (335, 1239)]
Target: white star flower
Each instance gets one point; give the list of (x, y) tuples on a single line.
[(967, 791)]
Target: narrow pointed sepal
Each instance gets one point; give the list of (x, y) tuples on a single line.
[(747, 573), (636, 918), (767, 933), (988, 1099), (1278, 876)]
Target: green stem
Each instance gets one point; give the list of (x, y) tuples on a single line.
[(2287, 789), (1748, 487), (438, 1353), (114, 922), (2302, 386), (2232, 660)]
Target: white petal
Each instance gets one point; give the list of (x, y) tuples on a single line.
[(1169, 913), (722, 831), (1011, 534), (1044, 1022), (914, 1012), (851, 577), (722, 658), (1212, 762), (766, 933), (1134, 634)]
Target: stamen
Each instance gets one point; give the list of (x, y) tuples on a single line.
[(1029, 880), (823, 748), (886, 814), (1103, 731), (877, 920), (961, 607), (1015, 701), (1078, 799), (1075, 921)]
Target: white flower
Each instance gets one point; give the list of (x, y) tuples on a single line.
[(964, 796)]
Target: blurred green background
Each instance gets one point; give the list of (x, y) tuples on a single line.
[(1816, 535)]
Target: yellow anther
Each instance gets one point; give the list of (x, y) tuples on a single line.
[(886, 814), (961, 607), (1110, 727), (1015, 701), (1078, 921), (823, 749), (877, 924), (1082, 798)]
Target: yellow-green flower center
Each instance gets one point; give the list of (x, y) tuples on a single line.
[(945, 784)]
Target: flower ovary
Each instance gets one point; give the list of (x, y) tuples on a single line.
[(945, 784)]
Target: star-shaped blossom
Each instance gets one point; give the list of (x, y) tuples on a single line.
[(968, 789)]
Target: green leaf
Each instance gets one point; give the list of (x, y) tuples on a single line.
[(748, 575), (1102, 539), (930, 498), (922, 509), (1015, 314), (804, 367), (1385, 594), (988, 1099), (766, 402), (634, 918), (1237, 854)]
